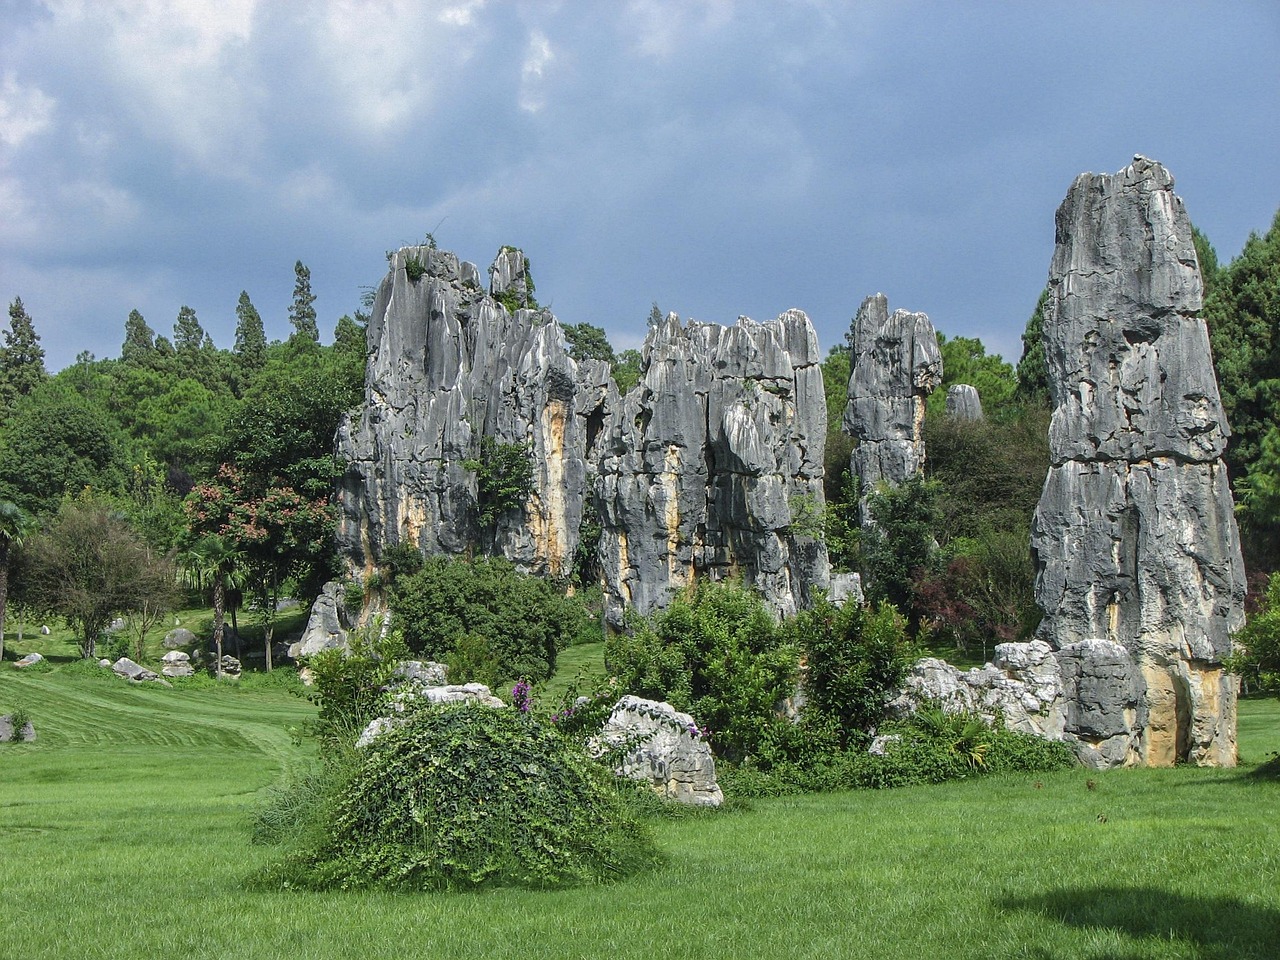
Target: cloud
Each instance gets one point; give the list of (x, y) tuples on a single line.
[(538, 57), (25, 111)]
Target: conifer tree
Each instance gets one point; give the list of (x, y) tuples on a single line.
[(251, 338), (21, 356), (302, 312), (188, 335), (139, 339)]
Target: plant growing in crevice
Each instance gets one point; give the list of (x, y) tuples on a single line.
[(414, 268), (504, 478)]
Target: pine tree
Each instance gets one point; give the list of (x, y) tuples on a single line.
[(21, 356), (1033, 372), (188, 335), (251, 338), (139, 339), (302, 312)]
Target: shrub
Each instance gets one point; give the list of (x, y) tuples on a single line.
[(524, 619), (461, 797), (1257, 656), (857, 657), (719, 655), (350, 687)]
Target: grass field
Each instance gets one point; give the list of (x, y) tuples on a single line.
[(124, 833)]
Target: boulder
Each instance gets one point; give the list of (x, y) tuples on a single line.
[(176, 664), (420, 673), (126, 668), (28, 660), (230, 667), (476, 694), (896, 364), (1022, 687), (963, 402), (662, 747), (1134, 538), (180, 637), (328, 627), (44, 630), (712, 465), (25, 734)]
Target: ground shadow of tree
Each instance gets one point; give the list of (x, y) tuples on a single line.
[(1220, 928)]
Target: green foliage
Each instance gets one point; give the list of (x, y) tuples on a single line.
[(139, 345), (188, 335), (1207, 257), (626, 372), (717, 654), (1033, 373), (400, 559), (525, 620), (965, 360), (21, 357), (808, 518), (302, 311), (89, 567), (504, 478), (1256, 658), (414, 268), (588, 342), (251, 338), (350, 687), (460, 797), (901, 541), (856, 658)]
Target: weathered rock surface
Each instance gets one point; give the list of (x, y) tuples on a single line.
[(896, 364), (328, 627), (176, 664), (231, 667), (136, 673), (449, 365), (1022, 685), (180, 637), (662, 747), (29, 660), (416, 681), (1135, 538), (712, 465), (963, 402), (25, 734)]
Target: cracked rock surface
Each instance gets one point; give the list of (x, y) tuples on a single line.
[(1134, 537)]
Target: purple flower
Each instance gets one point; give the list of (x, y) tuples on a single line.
[(521, 696)]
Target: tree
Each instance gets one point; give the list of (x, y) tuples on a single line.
[(901, 540), (626, 372), (139, 340), (251, 338), (588, 342), (302, 312), (1033, 372), (90, 567), (188, 335), (213, 563), (15, 525), (21, 357), (965, 360), (1207, 258)]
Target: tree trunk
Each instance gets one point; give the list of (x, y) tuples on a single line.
[(219, 614), (4, 590), (269, 621)]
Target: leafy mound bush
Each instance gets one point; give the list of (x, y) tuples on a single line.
[(525, 620), (461, 797)]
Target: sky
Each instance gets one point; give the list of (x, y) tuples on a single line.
[(718, 158)]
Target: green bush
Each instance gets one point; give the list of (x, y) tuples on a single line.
[(350, 687), (525, 619), (460, 797), (1256, 659), (719, 655), (857, 657)]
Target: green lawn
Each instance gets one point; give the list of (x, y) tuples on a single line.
[(124, 833)]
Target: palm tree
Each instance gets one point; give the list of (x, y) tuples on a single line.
[(15, 525), (215, 564)]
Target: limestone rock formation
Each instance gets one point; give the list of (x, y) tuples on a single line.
[(662, 747), (1134, 538), (24, 734), (177, 664), (328, 627), (712, 465), (1022, 686), (30, 660), (449, 365), (896, 364), (180, 637), (963, 402)]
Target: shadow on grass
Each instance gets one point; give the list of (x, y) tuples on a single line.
[(1220, 928)]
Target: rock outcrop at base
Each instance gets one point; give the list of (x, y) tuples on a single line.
[(448, 366), (662, 747), (711, 466), (328, 626), (1134, 538), (896, 364)]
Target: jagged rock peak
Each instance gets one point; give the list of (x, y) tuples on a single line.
[(448, 366), (712, 464), (1134, 537), (896, 364), (963, 402)]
